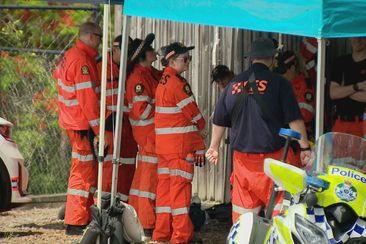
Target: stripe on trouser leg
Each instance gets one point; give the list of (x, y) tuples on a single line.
[(240, 210), (135, 192), (77, 192), (184, 174), (163, 210), (178, 211)]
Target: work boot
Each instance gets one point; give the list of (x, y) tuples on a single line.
[(148, 234), (195, 240), (75, 229)]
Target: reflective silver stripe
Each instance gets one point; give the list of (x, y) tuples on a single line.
[(128, 160), (111, 92), (146, 112), (196, 118), (108, 157), (241, 210), (65, 87), (277, 207), (309, 46), (168, 110), (200, 151), (141, 99), (76, 192), (186, 101), (178, 211), (83, 85), (184, 174), (145, 194), (162, 171), (94, 122), (163, 210), (71, 102), (112, 108), (175, 130), (83, 158), (307, 106), (142, 122), (190, 159), (148, 159), (310, 64)]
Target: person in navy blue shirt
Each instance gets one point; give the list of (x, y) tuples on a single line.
[(254, 136)]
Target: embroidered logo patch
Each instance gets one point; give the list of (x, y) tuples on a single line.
[(346, 192), (139, 89), (308, 97), (85, 70), (187, 89)]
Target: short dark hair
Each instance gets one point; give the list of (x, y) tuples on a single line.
[(221, 72), (88, 27)]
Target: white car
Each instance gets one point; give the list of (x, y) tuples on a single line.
[(13, 174)]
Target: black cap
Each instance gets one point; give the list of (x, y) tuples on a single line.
[(220, 72), (262, 48), (175, 48), (284, 61), (139, 46), (117, 42)]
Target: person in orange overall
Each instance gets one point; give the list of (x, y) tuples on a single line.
[(128, 150), (348, 89), (78, 103), (179, 144), (289, 66), (140, 94)]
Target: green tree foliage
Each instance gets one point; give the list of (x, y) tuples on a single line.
[(28, 92)]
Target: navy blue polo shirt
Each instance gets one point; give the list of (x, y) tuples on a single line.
[(253, 132)]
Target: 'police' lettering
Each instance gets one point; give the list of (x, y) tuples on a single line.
[(349, 174)]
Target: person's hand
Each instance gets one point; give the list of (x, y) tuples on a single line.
[(204, 133), (212, 155), (199, 158), (305, 157)]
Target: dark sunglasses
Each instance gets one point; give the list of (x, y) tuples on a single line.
[(186, 58)]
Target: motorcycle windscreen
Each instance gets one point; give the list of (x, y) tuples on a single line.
[(286, 176)]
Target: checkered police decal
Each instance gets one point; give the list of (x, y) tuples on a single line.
[(316, 215), (234, 233)]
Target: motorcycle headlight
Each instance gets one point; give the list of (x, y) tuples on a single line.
[(309, 232)]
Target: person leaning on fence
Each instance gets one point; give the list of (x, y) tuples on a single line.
[(128, 147), (78, 104), (254, 134), (179, 144), (348, 89), (221, 75), (140, 94)]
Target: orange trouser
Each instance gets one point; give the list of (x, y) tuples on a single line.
[(143, 189), (126, 169), (173, 199), (82, 180), (349, 127), (251, 187)]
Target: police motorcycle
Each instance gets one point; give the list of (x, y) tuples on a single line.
[(324, 203)]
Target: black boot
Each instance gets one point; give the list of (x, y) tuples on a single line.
[(74, 229)]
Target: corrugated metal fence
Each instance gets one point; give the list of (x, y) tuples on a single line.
[(213, 45)]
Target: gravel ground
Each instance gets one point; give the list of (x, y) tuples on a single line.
[(40, 225)]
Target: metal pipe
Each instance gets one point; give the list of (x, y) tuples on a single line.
[(48, 7), (31, 50), (320, 87), (103, 104)]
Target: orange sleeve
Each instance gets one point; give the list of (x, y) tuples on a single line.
[(85, 93), (186, 102)]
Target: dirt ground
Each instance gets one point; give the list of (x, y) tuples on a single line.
[(40, 225)]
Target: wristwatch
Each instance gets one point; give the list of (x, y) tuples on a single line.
[(302, 149), (356, 87)]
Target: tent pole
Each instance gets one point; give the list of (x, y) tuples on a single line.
[(120, 105), (102, 105), (320, 86)]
